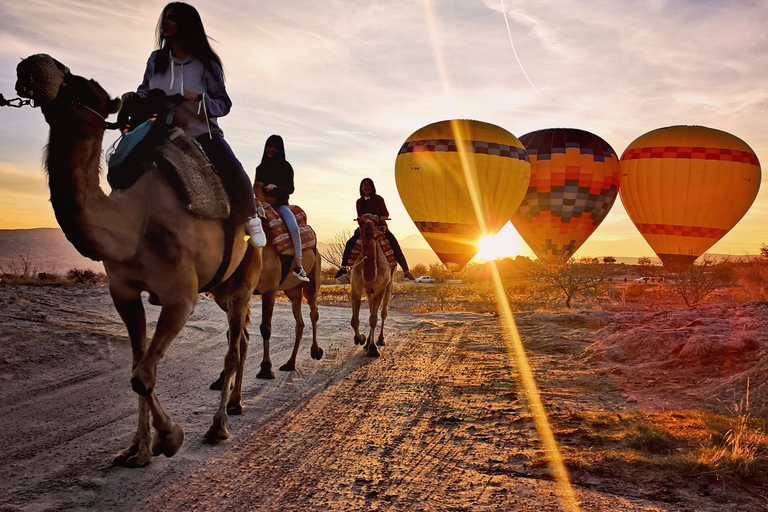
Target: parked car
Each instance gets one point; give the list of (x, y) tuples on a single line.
[(424, 279), (642, 279)]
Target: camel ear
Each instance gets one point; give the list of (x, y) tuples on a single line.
[(114, 106)]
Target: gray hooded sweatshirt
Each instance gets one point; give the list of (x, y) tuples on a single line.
[(187, 75)]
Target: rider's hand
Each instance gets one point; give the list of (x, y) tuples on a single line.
[(127, 96)]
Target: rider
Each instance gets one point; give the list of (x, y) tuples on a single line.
[(276, 176), (371, 202), (186, 64)]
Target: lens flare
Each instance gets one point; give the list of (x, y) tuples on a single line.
[(515, 349)]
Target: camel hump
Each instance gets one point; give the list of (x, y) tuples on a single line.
[(277, 231)]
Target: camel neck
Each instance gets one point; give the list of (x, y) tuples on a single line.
[(86, 215)]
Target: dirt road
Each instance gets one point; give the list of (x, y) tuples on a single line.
[(438, 423)]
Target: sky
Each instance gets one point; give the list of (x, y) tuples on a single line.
[(346, 82)]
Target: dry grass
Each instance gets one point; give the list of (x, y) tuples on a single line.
[(692, 442), (743, 448)]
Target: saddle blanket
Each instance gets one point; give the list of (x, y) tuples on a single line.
[(187, 169), (383, 243), (277, 231)]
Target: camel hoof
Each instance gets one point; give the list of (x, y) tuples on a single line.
[(288, 367), (266, 371), (132, 457), (359, 339), (215, 434), (380, 342), (317, 353), (234, 408), (168, 443), (139, 387), (372, 351)]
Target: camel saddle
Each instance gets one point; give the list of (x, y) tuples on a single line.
[(383, 243), (148, 138), (277, 231)]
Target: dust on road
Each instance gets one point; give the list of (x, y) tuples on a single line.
[(437, 423)]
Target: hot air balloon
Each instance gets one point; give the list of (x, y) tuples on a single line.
[(447, 171), (685, 187), (575, 178)]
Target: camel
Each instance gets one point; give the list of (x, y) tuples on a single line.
[(148, 242), (273, 279), (373, 274)]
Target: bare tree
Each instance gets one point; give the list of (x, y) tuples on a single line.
[(572, 277), (22, 268), (335, 252), (696, 282)]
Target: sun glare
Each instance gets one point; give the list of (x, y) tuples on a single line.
[(504, 244)]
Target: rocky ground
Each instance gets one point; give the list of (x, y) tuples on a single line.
[(438, 423)]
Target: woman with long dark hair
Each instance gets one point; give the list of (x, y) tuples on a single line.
[(371, 202), (276, 176), (185, 64)]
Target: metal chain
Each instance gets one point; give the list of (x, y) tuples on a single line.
[(15, 102)]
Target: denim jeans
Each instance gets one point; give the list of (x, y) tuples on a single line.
[(236, 181)]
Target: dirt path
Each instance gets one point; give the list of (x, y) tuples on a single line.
[(436, 424)]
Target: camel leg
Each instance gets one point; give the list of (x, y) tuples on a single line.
[(172, 319), (233, 363), (295, 295), (235, 403), (168, 436), (356, 298), (131, 310), (267, 308), (373, 304), (316, 351), (238, 350), (385, 311)]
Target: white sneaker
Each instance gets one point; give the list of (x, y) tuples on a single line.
[(301, 274), (254, 229)]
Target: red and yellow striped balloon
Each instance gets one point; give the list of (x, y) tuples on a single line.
[(575, 178), (446, 169), (685, 187)]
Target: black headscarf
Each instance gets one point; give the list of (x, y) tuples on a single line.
[(276, 170)]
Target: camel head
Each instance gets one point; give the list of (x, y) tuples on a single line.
[(48, 82), (369, 224)]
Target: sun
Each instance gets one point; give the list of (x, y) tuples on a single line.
[(503, 244)]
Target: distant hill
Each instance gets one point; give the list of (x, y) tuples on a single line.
[(48, 250), (41, 250)]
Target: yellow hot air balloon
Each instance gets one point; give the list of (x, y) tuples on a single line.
[(575, 178), (685, 187), (447, 171)]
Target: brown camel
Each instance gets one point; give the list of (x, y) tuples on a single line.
[(373, 274), (147, 240), (275, 277)]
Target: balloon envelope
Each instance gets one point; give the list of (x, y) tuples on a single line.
[(575, 178), (685, 187), (445, 170)]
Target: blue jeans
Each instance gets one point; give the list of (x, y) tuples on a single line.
[(236, 181), (293, 227)]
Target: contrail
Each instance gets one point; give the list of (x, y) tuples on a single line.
[(506, 22)]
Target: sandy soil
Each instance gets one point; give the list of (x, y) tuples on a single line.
[(438, 423)]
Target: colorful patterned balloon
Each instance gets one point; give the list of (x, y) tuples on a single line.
[(575, 178), (685, 187), (446, 169)]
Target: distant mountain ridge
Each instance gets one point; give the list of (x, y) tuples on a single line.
[(48, 250), (41, 250)]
